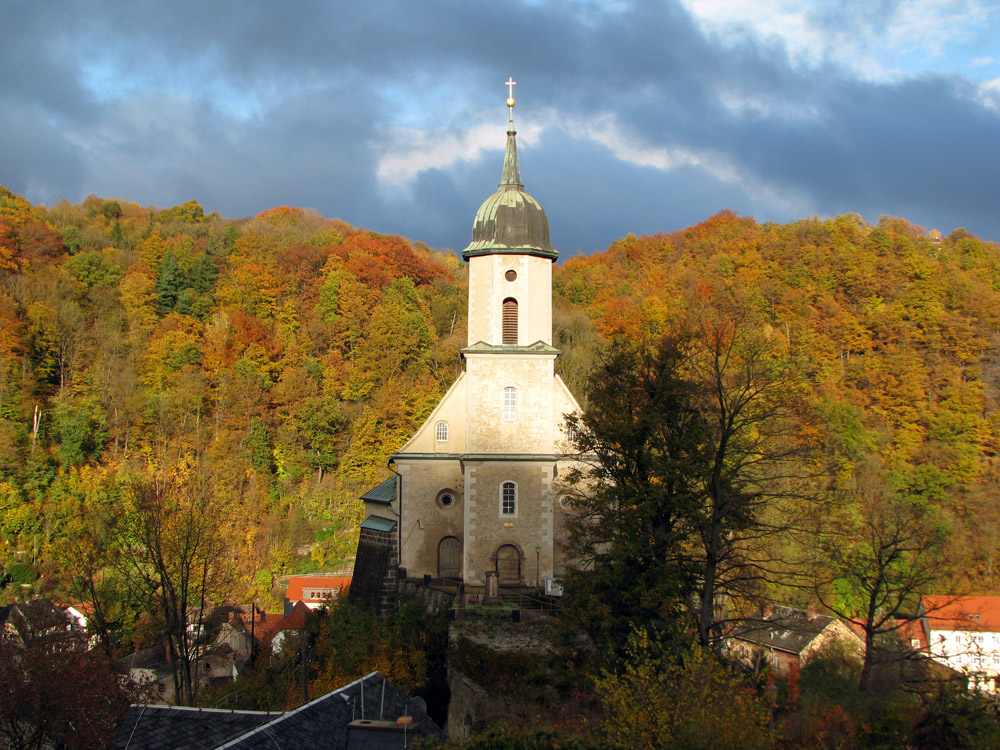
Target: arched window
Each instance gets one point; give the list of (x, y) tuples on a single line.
[(508, 499), (509, 321), (441, 432), (510, 404)]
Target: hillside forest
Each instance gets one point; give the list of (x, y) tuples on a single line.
[(272, 364)]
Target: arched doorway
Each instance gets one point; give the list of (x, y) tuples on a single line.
[(508, 565), (449, 558)]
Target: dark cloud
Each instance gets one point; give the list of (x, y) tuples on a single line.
[(245, 108)]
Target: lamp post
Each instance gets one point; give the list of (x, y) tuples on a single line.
[(538, 565)]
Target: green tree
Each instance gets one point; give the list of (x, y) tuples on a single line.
[(643, 441), (169, 284), (694, 469), (881, 550)]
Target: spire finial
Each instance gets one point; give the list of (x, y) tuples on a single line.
[(511, 173)]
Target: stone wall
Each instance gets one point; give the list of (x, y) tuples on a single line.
[(375, 570), (469, 708)]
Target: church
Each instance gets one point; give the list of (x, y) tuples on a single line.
[(474, 493)]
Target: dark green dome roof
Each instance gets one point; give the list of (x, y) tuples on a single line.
[(510, 222)]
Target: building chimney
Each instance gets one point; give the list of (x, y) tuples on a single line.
[(811, 611), (768, 610)]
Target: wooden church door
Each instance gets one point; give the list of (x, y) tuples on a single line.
[(450, 558), (508, 565)]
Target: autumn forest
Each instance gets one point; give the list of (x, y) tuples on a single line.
[(272, 364)]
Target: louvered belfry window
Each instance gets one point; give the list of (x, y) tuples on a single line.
[(510, 321)]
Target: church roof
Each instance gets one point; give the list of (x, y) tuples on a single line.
[(383, 493), (510, 222), (377, 523)]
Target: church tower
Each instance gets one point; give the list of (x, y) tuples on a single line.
[(473, 491)]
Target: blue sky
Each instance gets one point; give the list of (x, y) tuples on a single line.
[(633, 116)]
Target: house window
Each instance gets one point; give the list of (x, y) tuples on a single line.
[(511, 275), (509, 321), (508, 499), (441, 432), (509, 404)]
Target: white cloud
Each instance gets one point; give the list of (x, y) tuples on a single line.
[(405, 152), (875, 41), (607, 131), (989, 94)]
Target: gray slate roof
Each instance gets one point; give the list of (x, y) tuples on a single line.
[(169, 727), (383, 493), (318, 725), (783, 628)]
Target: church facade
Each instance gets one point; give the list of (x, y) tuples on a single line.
[(475, 491)]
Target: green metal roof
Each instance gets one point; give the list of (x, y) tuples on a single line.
[(377, 523), (510, 222), (383, 493)]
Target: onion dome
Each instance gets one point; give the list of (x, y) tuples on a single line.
[(510, 222)]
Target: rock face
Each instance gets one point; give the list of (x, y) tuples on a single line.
[(474, 705)]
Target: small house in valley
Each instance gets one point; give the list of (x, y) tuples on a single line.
[(963, 633), (783, 637)]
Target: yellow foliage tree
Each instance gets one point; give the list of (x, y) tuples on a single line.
[(689, 704)]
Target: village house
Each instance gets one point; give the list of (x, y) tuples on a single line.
[(38, 619), (963, 633), (784, 638), (152, 665), (315, 591)]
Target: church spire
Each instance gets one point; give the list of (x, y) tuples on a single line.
[(511, 178), (510, 222)]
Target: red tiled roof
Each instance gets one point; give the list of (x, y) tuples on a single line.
[(298, 586), (962, 612), (269, 625), (906, 630)]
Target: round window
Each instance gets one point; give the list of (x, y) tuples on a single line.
[(446, 498), (510, 275)]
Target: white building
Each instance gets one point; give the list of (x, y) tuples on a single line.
[(964, 633), (475, 490)]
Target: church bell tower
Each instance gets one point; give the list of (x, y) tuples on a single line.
[(474, 491)]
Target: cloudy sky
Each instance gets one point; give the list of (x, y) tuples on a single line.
[(633, 115)]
